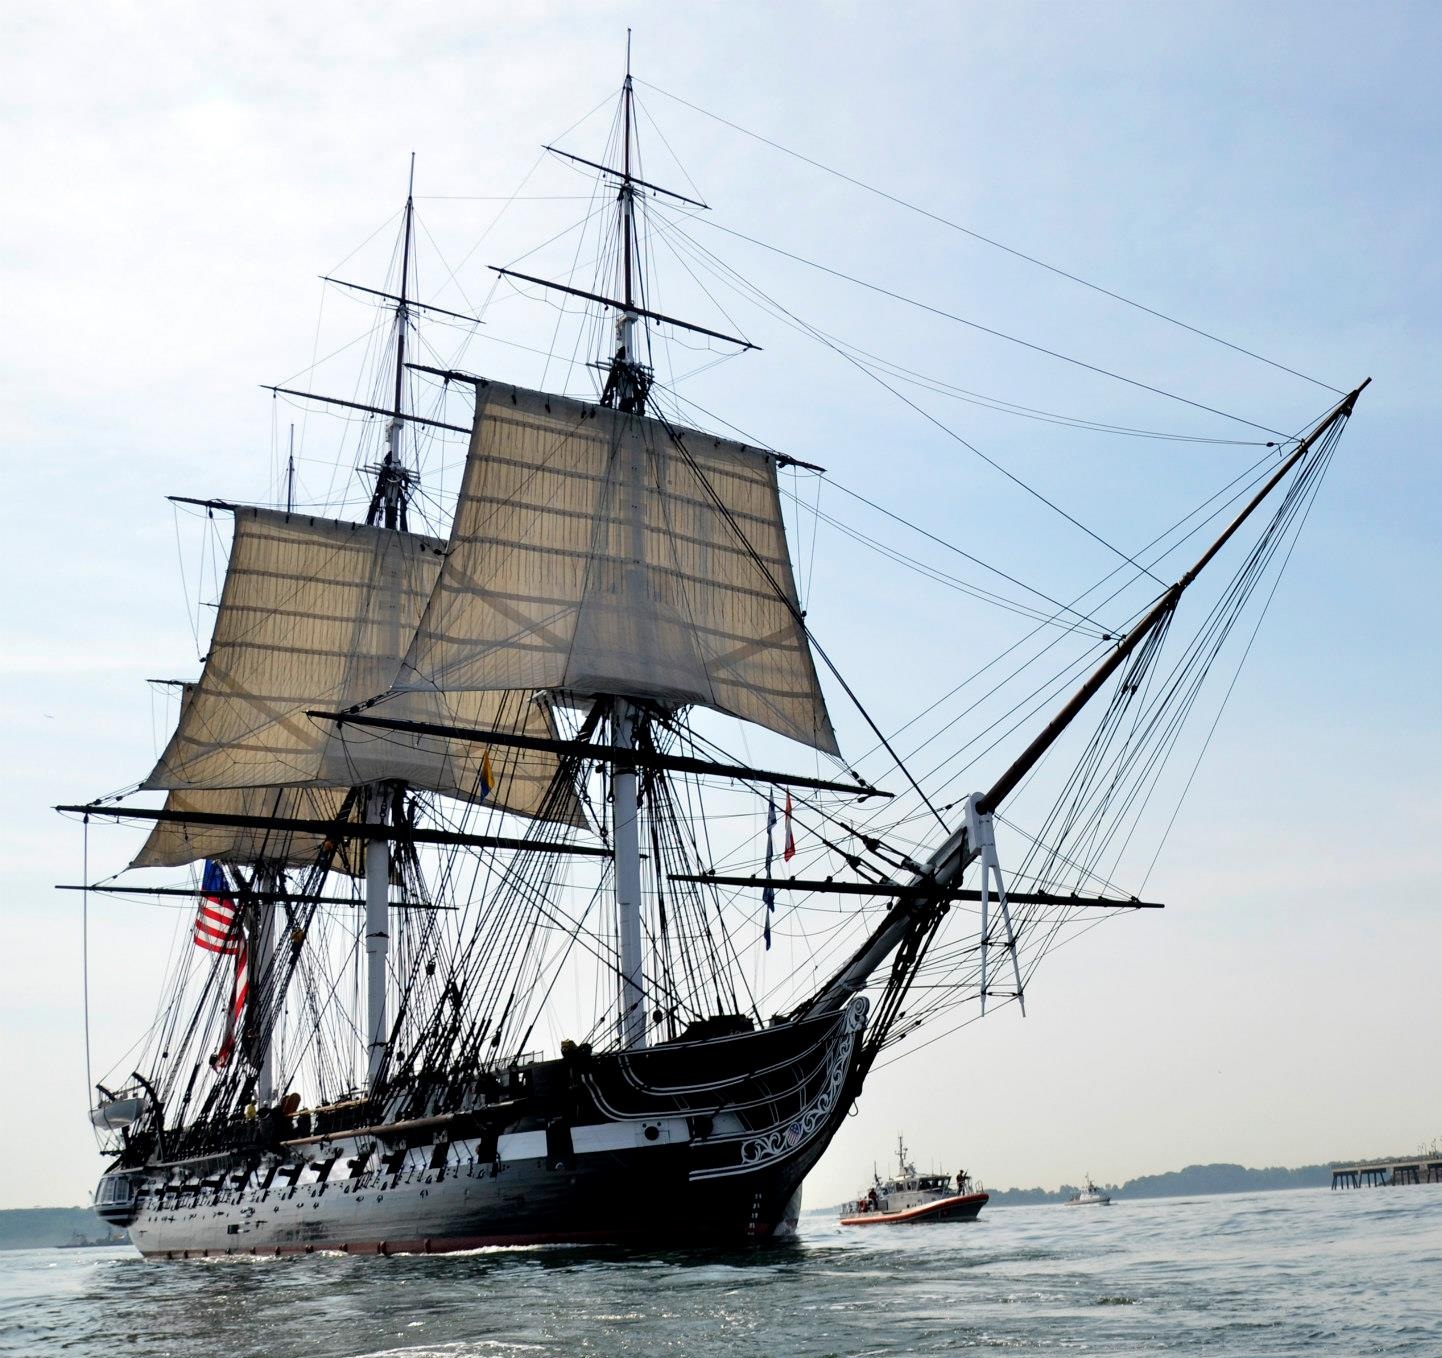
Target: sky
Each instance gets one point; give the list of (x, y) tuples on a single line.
[(177, 178)]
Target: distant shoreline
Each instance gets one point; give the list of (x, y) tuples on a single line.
[(38, 1228), (1192, 1181)]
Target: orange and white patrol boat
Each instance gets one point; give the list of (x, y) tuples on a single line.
[(915, 1197)]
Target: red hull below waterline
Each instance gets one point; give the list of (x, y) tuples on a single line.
[(963, 1208)]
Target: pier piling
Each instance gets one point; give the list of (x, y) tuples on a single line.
[(1416, 1169)]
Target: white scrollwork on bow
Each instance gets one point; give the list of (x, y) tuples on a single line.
[(784, 1140)]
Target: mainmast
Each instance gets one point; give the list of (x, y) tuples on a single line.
[(626, 389), (628, 382), (629, 479), (627, 198)]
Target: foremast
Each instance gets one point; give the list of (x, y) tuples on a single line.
[(391, 496), (388, 508), (265, 882)]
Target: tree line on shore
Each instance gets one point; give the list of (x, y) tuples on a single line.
[(1193, 1180)]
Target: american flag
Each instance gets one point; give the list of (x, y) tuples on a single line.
[(217, 930)]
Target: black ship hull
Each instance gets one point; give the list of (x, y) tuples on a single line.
[(692, 1143), (622, 1200)]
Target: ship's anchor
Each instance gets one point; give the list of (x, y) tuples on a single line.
[(981, 836)]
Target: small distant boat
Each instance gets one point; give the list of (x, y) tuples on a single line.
[(915, 1197), (80, 1241), (1090, 1196)]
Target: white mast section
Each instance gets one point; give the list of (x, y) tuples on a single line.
[(626, 831), (625, 809), (275, 1048), (267, 965), (377, 937)]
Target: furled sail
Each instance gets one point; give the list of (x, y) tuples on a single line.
[(597, 552), (316, 614), (173, 843)]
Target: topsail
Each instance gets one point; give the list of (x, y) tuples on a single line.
[(317, 613), (173, 843), (600, 552)]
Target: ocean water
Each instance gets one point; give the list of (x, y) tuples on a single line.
[(1300, 1273)]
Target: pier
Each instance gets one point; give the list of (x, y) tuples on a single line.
[(1411, 1169)]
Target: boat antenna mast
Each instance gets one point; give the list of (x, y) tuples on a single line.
[(905, 1170)]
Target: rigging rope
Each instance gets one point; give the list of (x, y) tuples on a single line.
[(1104, 791), (987, 240), (934, 420), (990, 330)]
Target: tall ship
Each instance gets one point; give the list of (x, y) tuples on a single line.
[(491, 934)]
